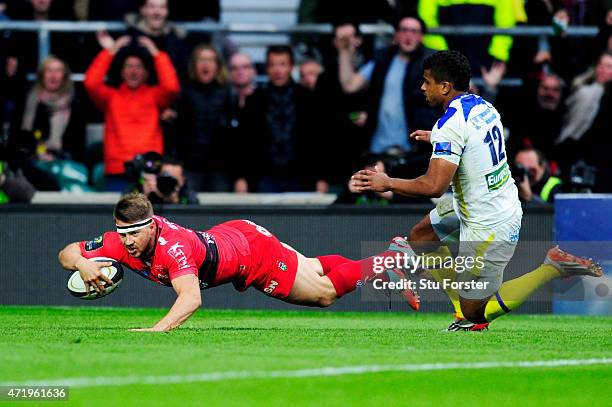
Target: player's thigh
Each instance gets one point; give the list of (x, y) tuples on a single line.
[(444, 221), (311, 287), (483, 257), (423, 231)]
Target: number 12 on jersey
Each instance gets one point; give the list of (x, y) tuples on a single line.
[(492, 136)]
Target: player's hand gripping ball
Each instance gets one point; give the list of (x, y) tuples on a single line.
[(76, 286)]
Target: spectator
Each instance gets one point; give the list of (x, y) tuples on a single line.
[(336, 12), (481, 51), (344, 114), (152, 21), (203, 123), (587, 123), (350, 195), (537, 123), (584, 102), (242, 77), (278, 132), (51, 116), (393, 80), (167, 185), (310, 70), (533, 178), (24, 45), (48, 131), (14, 86), (132, 112)]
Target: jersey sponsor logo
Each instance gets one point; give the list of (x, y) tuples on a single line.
[(496, 179), (179, 256), (443, 148), (94, 244), (271, 287)]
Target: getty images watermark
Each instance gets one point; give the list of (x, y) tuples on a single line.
[(478, 268), (413, 263)]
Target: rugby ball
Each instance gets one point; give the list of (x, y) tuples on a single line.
[(76, 286)]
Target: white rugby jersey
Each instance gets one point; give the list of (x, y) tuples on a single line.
[(470, 135)]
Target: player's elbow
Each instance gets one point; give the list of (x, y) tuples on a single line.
[(437, 191)]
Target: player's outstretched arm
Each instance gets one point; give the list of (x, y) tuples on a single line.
[(71, 259), (433, 184), (189, 300)]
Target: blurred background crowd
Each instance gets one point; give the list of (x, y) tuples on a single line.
[(179, 112)]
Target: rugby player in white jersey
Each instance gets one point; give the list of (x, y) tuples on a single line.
[(469, 154)]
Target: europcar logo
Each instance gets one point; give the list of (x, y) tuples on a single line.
[(498, 178)]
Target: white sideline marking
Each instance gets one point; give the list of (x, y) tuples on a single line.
[(315, 372)]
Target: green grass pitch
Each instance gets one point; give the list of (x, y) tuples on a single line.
[(39, 343)]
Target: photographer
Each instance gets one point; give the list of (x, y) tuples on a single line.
[(162, 180), (533, 179)]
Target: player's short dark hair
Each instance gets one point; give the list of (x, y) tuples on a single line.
[(133, 207), (398, 20), (450, 66), (280, 49)]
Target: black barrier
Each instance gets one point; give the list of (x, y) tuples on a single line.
[(31, 237)]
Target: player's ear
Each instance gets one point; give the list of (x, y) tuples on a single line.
[(446, 87)]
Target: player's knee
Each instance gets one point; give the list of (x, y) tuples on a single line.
[(421, 231)]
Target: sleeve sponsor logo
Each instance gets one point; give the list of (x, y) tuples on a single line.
[(94, 244), (443, 148)]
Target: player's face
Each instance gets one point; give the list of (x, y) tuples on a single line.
[(138, 242), (433, 91)]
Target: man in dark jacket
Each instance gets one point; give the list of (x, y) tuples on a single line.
[(393, 80), (279, 141)]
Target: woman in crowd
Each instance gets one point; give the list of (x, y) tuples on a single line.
[(50, 124), (203, 130)]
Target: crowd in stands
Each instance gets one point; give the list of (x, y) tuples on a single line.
[(188, 106)]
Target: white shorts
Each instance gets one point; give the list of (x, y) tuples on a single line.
[(492, 249), (444, 220)]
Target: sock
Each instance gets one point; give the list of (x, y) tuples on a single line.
[(331, 261), (346, 277), (513, 293), (442, 274)]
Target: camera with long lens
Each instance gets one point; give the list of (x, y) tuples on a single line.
[(582, 177), (151, 163), (519, 172), (166, 183)]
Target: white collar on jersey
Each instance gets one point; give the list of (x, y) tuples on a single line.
[(134, 226)]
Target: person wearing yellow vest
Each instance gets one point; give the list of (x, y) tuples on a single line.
[(497, 13), (535, 185)]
